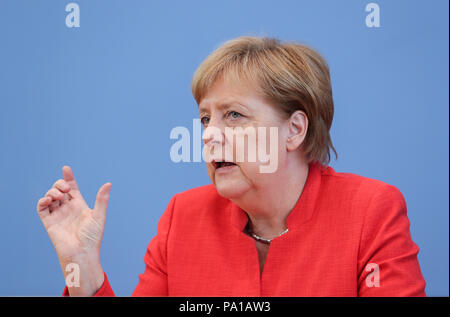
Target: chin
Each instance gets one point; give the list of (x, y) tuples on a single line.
[(231, 190)]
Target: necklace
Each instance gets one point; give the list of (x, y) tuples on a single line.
[(263, 240)]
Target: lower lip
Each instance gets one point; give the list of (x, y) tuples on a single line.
[(225, 169)]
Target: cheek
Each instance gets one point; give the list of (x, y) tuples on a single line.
[(250, 171), (270, 145), (210, 170)]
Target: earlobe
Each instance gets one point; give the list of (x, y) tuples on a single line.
[(298, 126)]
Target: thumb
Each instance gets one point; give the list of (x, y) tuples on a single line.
[(101, 202)]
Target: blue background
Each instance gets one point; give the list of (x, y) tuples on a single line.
[(104, 97)]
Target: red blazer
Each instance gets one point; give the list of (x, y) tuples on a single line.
[(348, 236)]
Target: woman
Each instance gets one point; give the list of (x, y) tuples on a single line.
[(299, 230)]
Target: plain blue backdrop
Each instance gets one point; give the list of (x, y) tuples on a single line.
[(104, 97)]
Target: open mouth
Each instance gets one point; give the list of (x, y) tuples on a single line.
[(221, 164)]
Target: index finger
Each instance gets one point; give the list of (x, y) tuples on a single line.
[(69, 177)]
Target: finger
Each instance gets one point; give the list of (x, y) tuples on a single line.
[(66, 198), (43, 203), (69, 177), (62, 186), (44, 213), (55, 194), (55, 204), (101, 202)]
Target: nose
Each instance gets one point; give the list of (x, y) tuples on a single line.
[(214, 133), (213, 136)]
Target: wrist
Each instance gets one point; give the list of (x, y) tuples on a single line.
[(84, 275)]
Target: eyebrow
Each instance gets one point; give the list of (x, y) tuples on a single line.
[(224, 105)]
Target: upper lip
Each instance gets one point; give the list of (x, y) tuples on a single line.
[(217, 163)]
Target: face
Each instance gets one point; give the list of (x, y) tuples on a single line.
[(230, 106)]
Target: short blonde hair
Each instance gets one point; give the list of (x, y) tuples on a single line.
[(292, 76)]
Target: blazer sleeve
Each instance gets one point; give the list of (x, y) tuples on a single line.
[(387, 259), (153, 282), (104, 291)]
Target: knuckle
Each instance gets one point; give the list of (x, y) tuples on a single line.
[(53, 192), (40, 204), (62, 185), (58, 183)]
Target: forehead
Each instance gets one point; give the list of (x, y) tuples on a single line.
[(225, 92)]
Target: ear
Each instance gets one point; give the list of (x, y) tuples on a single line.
[(297, 128)]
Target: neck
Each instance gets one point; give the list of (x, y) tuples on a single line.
[(268, 208)]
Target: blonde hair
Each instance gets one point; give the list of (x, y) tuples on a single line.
[(292, 76)]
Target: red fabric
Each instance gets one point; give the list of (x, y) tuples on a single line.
[(104, 291), (341, 223)]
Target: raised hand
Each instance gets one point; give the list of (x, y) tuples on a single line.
[(76, 230)]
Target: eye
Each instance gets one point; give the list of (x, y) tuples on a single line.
[(204, 120), (234, 114)]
